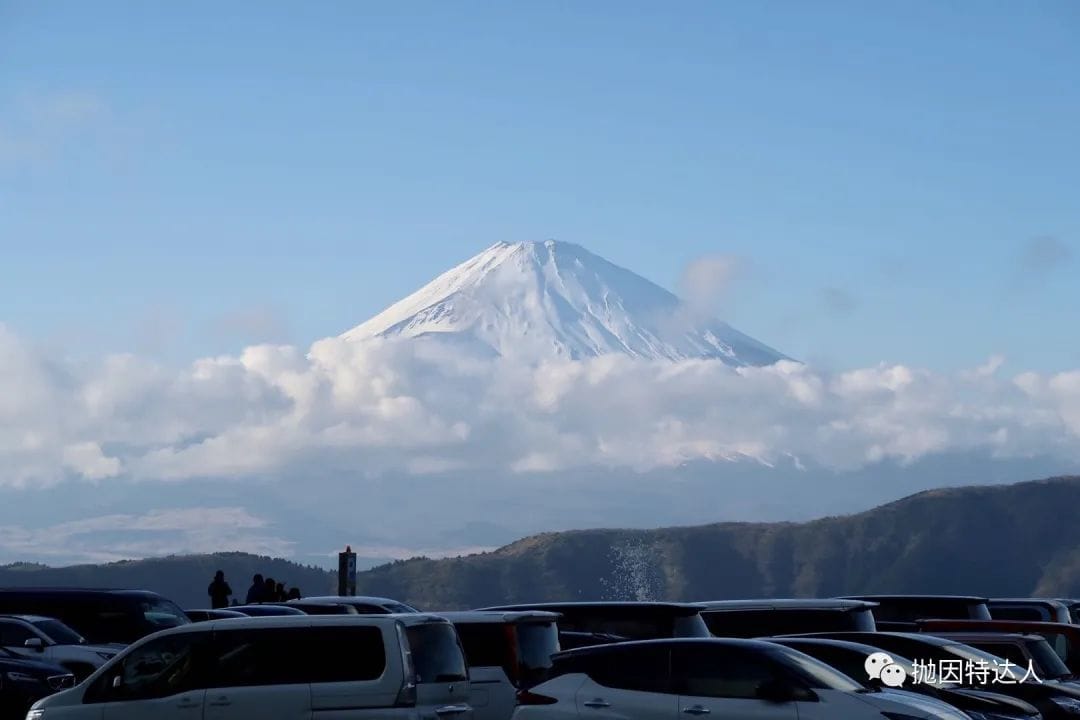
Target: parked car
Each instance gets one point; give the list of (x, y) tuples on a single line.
[(101, 616), (725, 678), (900, 612), (1073, 605), (403, 667), (507, 652), (364, 604), (266, 610), (1024, 651), (760, 618), (850, 659), (1036, 609), (219, 614), (1056, 701), (604, 622), (41, 638), (1064, 638), (23, 682), (317, 608)]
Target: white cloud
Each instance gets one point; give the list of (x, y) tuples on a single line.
[(395, 405), (158, 532)]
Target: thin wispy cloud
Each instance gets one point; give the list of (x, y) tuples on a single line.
[(108, 538)]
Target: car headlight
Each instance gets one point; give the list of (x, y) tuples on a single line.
[(35, 714), (22, 677), (1068, 704)]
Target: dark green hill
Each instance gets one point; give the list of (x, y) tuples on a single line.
[(995, 540)]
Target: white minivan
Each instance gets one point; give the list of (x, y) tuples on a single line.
[(325, 667)]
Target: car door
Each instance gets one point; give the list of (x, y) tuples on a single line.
[(164, 679), (715, 680), (628, 682), (259, 673)]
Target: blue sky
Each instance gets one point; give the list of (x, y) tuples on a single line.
[(901, 180)]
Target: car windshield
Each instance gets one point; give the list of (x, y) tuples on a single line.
[(981, 658), (536, 643), (58, 632), (436, 653), (161, 613), (816, 674), (1048, 660)]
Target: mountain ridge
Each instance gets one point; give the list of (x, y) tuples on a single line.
[(533, 300)]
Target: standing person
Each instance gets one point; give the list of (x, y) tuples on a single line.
[(219, 591), (255, 592), (294, 594), (279, 593), (269, 593)]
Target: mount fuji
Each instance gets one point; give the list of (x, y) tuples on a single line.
[(538, 300)]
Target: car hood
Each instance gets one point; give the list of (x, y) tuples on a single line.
[(987, 700), (36, 667), (889, 699)]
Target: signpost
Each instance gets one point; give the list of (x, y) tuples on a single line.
[(347, 572)]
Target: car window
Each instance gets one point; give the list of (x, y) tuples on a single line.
[(14, 633), (436, 653), (640, 669), (58, 632), (719, 672), (763, 623), (1015, 612), (160, 668), (813, 673), (270, 656), (485, 644), (160, 613), (613, 622), (536, 643), (344, 654)]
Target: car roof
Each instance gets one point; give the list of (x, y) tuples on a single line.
[(665, 642), (1045, 602), (562, 607), (25, 618), (407, 619), (879, 598), (989, 636), (338, 599), (498, 616), (829, 642), (787, 603), (75, 591), (852, 634)]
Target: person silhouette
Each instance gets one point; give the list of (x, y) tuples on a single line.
[(279, 592), (269, 593), (255, 592), (219, 591), (294, 594)]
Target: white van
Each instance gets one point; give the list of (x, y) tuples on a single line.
[(507, 652), (325, 667)]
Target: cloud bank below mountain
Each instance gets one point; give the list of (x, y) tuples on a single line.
[(419, 407)]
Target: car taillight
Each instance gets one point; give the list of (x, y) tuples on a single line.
[(407, 694), (526, 697), (513, 662)]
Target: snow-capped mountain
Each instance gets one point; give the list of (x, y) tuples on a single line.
[(533, 300)]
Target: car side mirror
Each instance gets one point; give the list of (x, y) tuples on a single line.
[(34, 644)]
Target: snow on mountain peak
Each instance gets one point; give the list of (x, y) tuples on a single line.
[(534, 300)]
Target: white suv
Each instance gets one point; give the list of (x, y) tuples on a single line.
[(40, 638), (345, 667), (670, 679)]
